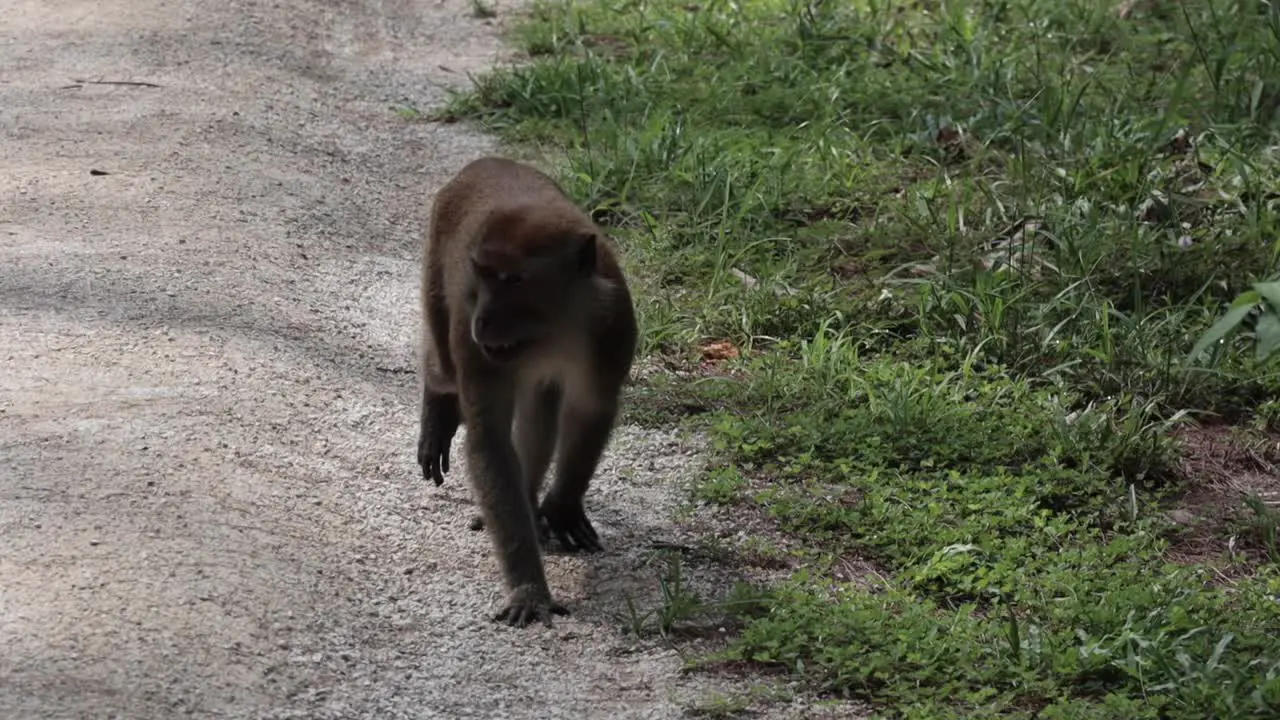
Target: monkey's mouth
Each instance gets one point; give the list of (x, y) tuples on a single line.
[(502, 352)]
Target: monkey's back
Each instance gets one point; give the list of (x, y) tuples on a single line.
[(486, 187), (489, 190), (525, 210)]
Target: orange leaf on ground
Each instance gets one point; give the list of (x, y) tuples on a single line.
[(721, 350)]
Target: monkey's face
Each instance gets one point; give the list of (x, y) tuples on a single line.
[(521, 300)]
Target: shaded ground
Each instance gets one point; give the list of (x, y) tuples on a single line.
[(1226, 468), (208, 497)]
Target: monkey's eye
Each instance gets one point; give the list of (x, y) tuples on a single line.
[(485, 272), (492, 275)]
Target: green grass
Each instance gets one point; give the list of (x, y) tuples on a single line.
[(965, 249)]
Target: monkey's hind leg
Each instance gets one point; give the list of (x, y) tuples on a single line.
[(584, 433)]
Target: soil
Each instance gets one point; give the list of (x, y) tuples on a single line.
[(1221, 468), (209, 500)]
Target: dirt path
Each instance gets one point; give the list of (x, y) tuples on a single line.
[(209, 505)]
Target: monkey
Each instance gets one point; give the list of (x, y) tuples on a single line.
[(528, 336)]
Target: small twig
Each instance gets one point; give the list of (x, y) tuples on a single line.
[(669, 545), (80, 83), (1223, 577), (396, 370)]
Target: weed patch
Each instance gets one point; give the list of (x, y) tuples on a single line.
[(950, 261)]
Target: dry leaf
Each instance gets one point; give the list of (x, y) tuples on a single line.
[(719, 351)]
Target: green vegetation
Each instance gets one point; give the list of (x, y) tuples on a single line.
[(966, 250)]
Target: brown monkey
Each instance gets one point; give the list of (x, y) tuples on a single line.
[(528, 337)]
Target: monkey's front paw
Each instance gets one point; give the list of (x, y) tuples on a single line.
[(439, 426), (529, 604), (568, 522), (433, 457)]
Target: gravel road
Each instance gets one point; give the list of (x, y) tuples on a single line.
[(209, 503)]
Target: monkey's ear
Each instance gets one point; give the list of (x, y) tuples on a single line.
[(587, 253)]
